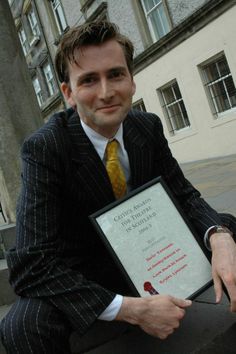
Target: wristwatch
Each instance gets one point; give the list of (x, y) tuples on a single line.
[(216, 229)]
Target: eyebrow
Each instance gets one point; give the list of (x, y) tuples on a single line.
[(94, 73)]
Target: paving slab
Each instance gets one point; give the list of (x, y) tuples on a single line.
[(3, 311), (7, 295), (216, 180), (205, 328)]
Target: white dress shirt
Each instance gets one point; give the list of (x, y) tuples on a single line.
[(100, 142)]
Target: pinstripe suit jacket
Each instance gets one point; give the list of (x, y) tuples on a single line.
[(58, 256)]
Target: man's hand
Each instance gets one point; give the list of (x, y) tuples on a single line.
[(157, 315), (224, 266)]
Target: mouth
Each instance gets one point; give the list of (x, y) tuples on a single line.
[(108, 109)]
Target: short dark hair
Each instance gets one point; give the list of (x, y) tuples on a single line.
[(94, 33)]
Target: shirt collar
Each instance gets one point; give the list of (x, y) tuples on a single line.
[(100, 142)]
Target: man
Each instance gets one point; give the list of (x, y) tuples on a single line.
[(63, 274)]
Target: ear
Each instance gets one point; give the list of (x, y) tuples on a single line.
[(133, 87), (67, 92)]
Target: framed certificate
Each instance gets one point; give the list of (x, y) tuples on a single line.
[(153, 243)]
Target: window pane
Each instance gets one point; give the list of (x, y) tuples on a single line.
[(23, 40), (178, 117), (38, 91), (157, 24), (174, 117), (230, 86), (169, 95), (220, 97), (156, 18), (220, 84), (33, 23), (139, 105), (176, 90), (212, 73), (223, 67), (175, 108), (165, 23), (49, 79), (149, 4), (59, 15), (184, 113)]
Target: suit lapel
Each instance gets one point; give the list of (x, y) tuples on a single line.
[(139, 152), (90, 170), (89, 167)]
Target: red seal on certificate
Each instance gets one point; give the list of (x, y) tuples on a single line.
[(149, 288)]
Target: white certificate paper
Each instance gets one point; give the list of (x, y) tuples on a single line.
[(153, 244)]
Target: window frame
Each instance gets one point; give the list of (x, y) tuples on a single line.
[(39, 93), (33, 22), (209, 84), (170, 119), (49, 79), (147, 13), (59, 17), (139, 105), (24, 43)]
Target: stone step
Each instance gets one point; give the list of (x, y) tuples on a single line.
[(3, 311), (7, 235), (7, 295)]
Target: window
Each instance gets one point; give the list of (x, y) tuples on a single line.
[(33, 23), (156, 17), (59, 15), (2, 220), (219, 84), (23, 40), (139, 105), (86, 2), (38, 90), (49, 79), (94, 11), (44, 83), (174, 107)]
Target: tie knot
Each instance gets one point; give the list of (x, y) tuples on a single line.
[(112, 149)]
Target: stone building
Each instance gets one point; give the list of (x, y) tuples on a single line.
[(35, 42), (188, 78), (185, 67)]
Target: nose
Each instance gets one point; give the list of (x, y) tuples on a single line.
[(106, 90)]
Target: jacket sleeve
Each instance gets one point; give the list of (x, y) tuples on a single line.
[(197, 210), (36, 269)]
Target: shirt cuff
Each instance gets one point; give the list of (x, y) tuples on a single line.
[(112, 310), (206, 238)]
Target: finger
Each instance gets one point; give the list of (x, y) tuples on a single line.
[(181, 302), (232, 294), (162, 336), (218, 288), (233, 306), (167, 333)]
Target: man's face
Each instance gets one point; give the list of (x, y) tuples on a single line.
[(100, 86)]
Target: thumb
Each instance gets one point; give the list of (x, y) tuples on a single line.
[(218, 288), (182, 302)]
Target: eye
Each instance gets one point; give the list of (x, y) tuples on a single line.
[(116, 74), (89, 80)]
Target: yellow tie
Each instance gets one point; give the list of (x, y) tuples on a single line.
[(114, 169)]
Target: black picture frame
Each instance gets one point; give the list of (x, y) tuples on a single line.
[(141, 232)]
